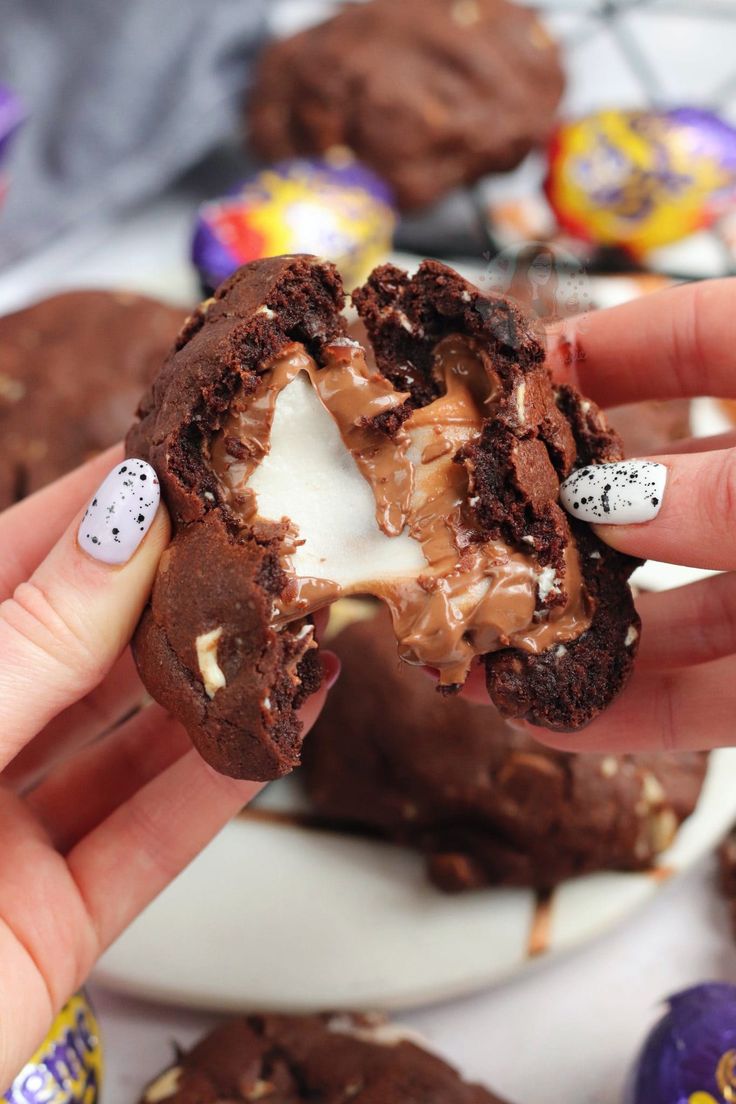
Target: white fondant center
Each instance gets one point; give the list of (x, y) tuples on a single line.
[(310, 477)]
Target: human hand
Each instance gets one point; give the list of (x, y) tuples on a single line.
[(679, 342), (91, 829)]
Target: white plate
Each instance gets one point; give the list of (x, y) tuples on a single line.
[(277, 916)]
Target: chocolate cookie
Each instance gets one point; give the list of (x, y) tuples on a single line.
[(330, 1060), (295, 475), (72, 369), (484, 802), (430, 93)]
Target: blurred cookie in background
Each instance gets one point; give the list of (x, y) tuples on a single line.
[(480, 798), (288, 1059), (72, 370), (430, 94)]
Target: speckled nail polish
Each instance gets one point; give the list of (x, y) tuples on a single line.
[(627, 493), (120, 514)]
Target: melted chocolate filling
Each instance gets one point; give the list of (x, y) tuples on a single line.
[(475, 595)]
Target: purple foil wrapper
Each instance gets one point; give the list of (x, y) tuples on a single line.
[(690, 1055), (11, 116)]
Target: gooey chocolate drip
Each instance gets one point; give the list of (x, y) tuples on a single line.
[(476, 595)]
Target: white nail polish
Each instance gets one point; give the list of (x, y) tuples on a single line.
[(627, 493), (120, 514)]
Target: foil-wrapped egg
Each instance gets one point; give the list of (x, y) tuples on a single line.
[(641, 179), (689, 1057), (67, 1067), (333, 207)]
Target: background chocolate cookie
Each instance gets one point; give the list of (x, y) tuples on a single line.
[(296, 475), (288, 1059), (525, 448), (72, 369), (430, 93), (485, 802)]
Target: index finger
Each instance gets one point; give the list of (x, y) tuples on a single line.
[(680, 342)]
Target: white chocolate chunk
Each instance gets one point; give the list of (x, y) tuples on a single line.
[(632, 634), (260, 1089), (465, 13), (212, 674), (164, 1086), (609, 766), (382, 1032), (12, 390), (663, 829), (520, 400), (547, 583), (652, 789), (310, 477)]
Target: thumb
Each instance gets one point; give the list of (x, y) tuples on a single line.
[(680, 509), (63, 629)]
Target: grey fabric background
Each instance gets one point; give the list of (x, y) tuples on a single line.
[(122, 96)]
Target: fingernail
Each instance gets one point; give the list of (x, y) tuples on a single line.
[(120, 513), (331, 668), (626, 493)]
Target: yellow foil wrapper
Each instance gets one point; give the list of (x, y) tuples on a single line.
[(67, 1068), (641, 179)]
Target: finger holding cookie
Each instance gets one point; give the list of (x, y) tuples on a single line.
[(102, 799), (678, 508)]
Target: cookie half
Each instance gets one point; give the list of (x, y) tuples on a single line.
[(296, 475)]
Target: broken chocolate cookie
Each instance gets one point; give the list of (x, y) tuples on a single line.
[(325, 1059), (481, 799), (296, 475)]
